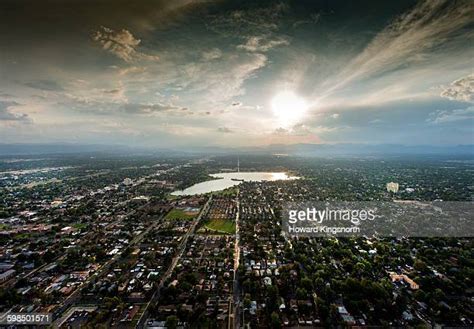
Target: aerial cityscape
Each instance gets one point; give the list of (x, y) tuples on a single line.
[(236, 164), (102, 241)]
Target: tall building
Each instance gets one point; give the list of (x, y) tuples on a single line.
[(392, 187)]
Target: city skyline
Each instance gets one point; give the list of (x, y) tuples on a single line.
[(233, 74)]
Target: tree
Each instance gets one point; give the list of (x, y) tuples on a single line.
[(171, 322), (301, 293), (359, 268), (275, 321), (273, 298), (307, 284), (420, 295), (419, 265)]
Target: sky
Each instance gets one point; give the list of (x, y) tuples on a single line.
[(188, 73)]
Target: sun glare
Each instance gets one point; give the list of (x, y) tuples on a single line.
[(288, 107)]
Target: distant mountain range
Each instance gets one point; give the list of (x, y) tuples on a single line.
[(293, 149)]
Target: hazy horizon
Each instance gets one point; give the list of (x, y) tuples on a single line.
[(301, 149)]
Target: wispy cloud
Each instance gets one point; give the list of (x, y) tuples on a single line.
[(225, 130), (441, 117), (314, 18), (242, 106), (46, 85), (428, 25), (122, 44), (7, 113), (263, 43), (133, 108), (85, 94), (220, 82), (248, 22), (218, 60), (125, 108), (460, 90), (212, 54)]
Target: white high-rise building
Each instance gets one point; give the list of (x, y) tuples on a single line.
[(392, 187)]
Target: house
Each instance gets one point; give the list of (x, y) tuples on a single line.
[(267, 281), (136, 297), (344, 314), (6, 275), (404, 278), (282, 306), (253, 307)]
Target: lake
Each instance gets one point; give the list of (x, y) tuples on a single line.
[(226, 180)]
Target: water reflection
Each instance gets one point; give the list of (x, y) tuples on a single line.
[(227, 180)]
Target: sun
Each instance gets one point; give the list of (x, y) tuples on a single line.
[(288, 107)]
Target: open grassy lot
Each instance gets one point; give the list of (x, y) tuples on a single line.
[(225, 226), (180, 214), (231, 191), (79, 226)]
